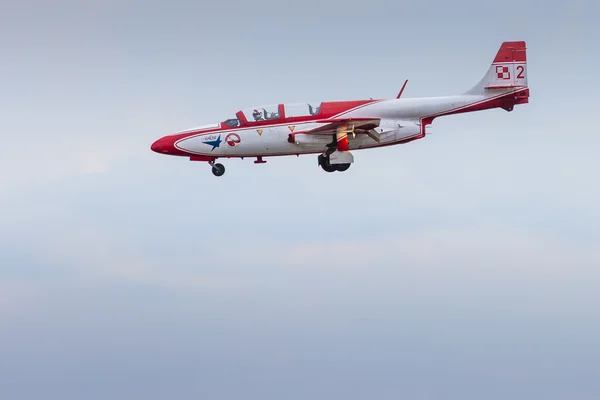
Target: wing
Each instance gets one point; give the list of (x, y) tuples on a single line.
[(344, 126), (355, 126), (358, 125)]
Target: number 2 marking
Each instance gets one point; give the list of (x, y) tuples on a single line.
[(521, 69)]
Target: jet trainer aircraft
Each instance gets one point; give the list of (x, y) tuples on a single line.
[(333, 128)]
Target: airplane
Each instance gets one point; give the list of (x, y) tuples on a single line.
[(333, 129)]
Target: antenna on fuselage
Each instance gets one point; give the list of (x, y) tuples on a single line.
[(402, 90)]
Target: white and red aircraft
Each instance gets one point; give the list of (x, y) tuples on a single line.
[(331, 129)]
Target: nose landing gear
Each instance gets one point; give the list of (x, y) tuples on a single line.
[(217, 169)]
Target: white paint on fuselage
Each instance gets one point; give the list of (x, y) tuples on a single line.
[(400, 120)]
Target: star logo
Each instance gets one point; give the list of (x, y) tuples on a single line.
[(214, 143)]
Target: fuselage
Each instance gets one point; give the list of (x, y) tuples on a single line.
[(278, 130)]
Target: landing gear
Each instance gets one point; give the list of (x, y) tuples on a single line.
[(328, 167), (324, 163), (217, 169)]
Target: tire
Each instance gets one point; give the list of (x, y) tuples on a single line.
[(324, 163), (341, 167), (328, 168), (218, 169), (322, 160)]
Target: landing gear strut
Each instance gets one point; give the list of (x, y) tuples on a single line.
[(338, 151), (217, 169)]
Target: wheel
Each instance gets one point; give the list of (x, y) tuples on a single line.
[(324, 163), (218, 169), (322, 159), (341, 167), (328, 168)]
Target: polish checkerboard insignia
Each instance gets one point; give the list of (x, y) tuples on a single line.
[(502, 72)]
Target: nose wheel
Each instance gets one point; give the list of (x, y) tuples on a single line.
[(217, 169)]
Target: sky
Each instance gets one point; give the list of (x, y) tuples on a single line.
[(465, 265)]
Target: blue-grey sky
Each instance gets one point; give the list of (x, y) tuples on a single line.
[(462, 266)]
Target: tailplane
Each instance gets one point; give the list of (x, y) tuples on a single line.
[(508, 71)]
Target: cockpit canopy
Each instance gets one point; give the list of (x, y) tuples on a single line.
[(264, 113), (232, 122), (273, 112), (302, 109)]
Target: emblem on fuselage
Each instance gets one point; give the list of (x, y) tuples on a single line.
[(233, 139), (213, 140)]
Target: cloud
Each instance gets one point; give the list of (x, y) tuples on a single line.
[(99, 256), (471, 246), (16, 297), (47, 164), (468, 258)]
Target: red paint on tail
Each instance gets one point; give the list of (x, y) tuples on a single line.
[(512, 52)]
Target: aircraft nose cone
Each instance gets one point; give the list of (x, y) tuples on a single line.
[(162, 145)]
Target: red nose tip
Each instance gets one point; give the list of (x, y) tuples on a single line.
[(162, 145)]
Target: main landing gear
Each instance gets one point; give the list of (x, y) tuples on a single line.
[(325, 163), (337, 156), (217, 169)]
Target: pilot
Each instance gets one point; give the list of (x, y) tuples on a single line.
[(257, 115)]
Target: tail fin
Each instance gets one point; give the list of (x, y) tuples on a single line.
[(509, 70)]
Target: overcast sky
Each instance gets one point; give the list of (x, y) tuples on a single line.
[(462, 266)]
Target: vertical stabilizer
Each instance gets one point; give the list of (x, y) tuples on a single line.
[(509, 70)]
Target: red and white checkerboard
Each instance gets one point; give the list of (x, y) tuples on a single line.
[(502, 72)]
